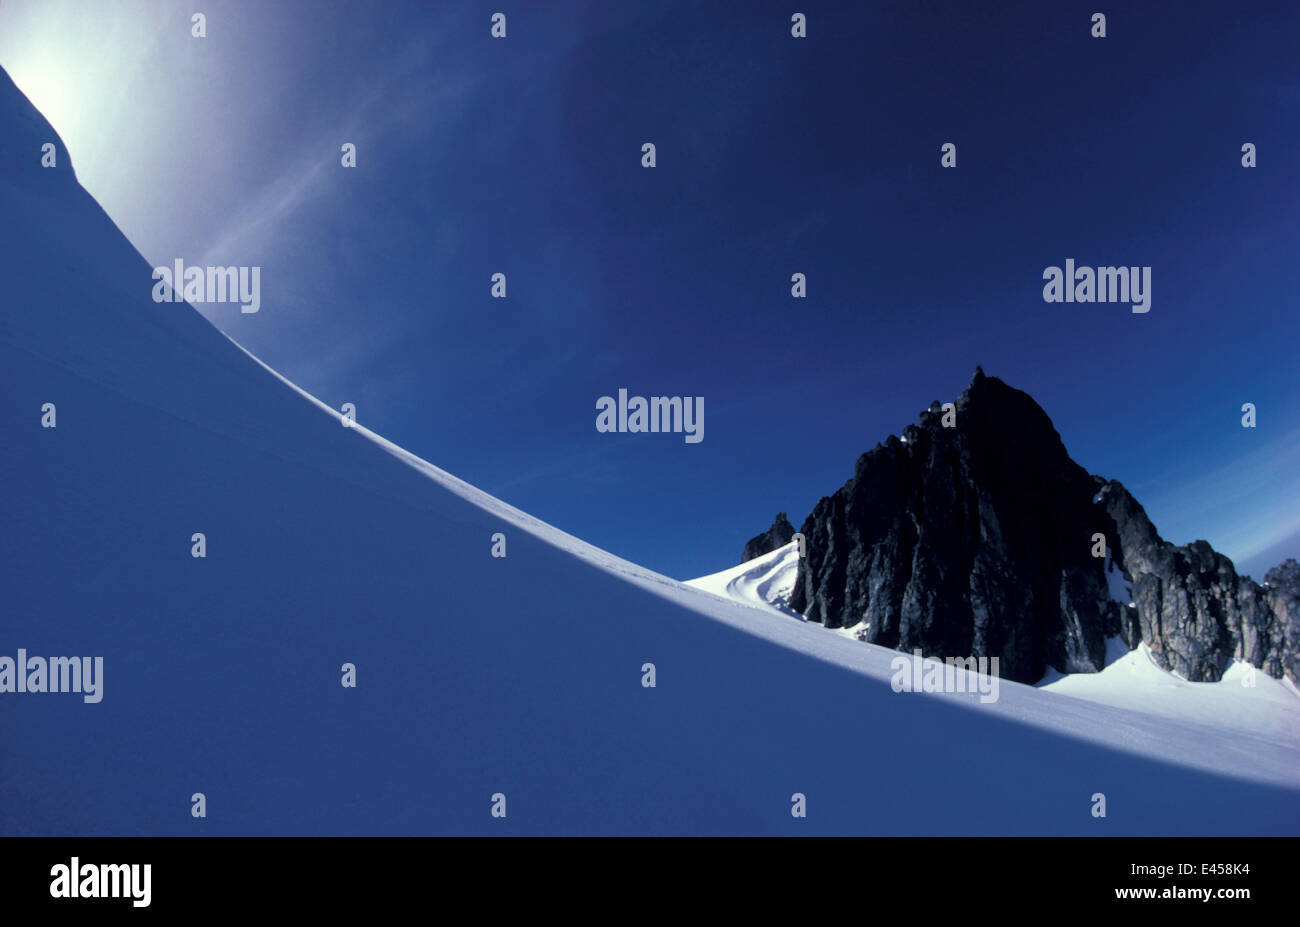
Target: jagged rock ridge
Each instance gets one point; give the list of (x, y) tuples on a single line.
[(776, 536), (978, 540)]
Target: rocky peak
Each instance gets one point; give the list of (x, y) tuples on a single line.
[(978, 538)]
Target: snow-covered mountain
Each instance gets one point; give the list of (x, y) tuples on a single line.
[(476, 676)]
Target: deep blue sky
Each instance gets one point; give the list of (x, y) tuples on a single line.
[(775, 155)]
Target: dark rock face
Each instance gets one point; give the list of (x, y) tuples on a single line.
[(975, 535), (776, 536), (1193, 610), (1282, 596)]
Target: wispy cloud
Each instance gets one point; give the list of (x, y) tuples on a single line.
[(1243, 507)]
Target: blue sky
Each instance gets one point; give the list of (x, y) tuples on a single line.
[(775, 155)]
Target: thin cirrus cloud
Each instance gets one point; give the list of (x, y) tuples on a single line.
[(1242, 506), (130, 94), (181, 143)]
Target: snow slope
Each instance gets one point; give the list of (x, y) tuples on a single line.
[(764, 582), (1250, 709), (1252, 704), (475, 675)]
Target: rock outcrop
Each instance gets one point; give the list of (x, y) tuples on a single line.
[(976, 534), (776, 536)]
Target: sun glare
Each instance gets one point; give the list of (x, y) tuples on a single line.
[(47, 92)]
